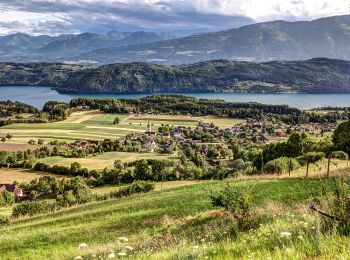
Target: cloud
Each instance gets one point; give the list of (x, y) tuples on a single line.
[(57, 16)]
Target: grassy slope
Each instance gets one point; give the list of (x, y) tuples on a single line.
[(145, 219)]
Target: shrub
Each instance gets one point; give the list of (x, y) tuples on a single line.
[(135, 187), (30, 208), (6, 198), (281, 165), (340, 155), (236, 201), (4, 220), (337, 206)]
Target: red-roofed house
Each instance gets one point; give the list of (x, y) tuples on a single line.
[(16, 191)]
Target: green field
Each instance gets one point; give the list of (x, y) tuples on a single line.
[(179, 223), (96, 125), (103, 160)]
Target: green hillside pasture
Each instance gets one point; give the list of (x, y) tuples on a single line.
[(178, 223), (103, 160)]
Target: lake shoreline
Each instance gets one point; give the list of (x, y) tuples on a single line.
[(38, 96)]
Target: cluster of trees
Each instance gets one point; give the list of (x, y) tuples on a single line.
[(108, 105), (12, 108), (57, 111), (68, 192)]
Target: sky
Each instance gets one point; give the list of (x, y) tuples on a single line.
[(55, 17)]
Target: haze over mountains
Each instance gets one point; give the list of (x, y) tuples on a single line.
[(276, 40)]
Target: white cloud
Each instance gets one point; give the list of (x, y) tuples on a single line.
[(103, 15)]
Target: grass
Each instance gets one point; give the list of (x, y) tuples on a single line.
[(22, 175), (96, 125), (103, 160), (169, 224), (222, 122)]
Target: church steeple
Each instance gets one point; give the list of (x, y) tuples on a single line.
[(149, 127)]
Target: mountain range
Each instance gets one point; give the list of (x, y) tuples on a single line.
[(276, 40), (319, 75), (24, 47)]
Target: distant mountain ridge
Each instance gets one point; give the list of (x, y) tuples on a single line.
[(312, 76), (276, 40), (24, 47)]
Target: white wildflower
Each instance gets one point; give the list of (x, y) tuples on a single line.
[(123, 239), (79, 257), (195, 247), (111, 255), (82, 245), (285, 234), (128, 248), (122, 253), (300, 237)]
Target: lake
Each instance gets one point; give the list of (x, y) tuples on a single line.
[(37, 96)]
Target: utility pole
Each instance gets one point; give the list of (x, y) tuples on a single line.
[(290, 166), (328, 165)]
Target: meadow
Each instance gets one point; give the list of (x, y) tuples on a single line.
[(179, 223), (101, 161), (96, 125)]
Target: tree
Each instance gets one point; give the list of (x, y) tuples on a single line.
[(118, 165), (6, 198), (297, 144), (9, 136), (3, 139), (116, 121), (341, 137), (75, 168)]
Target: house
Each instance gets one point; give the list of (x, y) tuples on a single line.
[(15, 190), (81, 144), (150, 146)]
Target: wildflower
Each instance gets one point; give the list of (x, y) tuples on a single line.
[(122, 253), (129, 248), (82, 245), (285, 234), (300, 237), (195, 247), (123, 239), (79, 257), (111, 255), (313, 227)]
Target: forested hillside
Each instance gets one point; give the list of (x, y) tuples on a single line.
[(312, 76)]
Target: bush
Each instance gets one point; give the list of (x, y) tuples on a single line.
[(337, 204), (281, 165), (7, 198), (135, 187), (4, 220), (30, 208), (236, 201)]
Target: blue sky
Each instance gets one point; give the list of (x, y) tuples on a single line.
[(66, 16)]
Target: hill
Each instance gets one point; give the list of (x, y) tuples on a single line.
[(167, 224), (311, 76), (24, 47), (276, 40)]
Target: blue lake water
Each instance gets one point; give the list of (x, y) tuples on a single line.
[(37, 96)]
